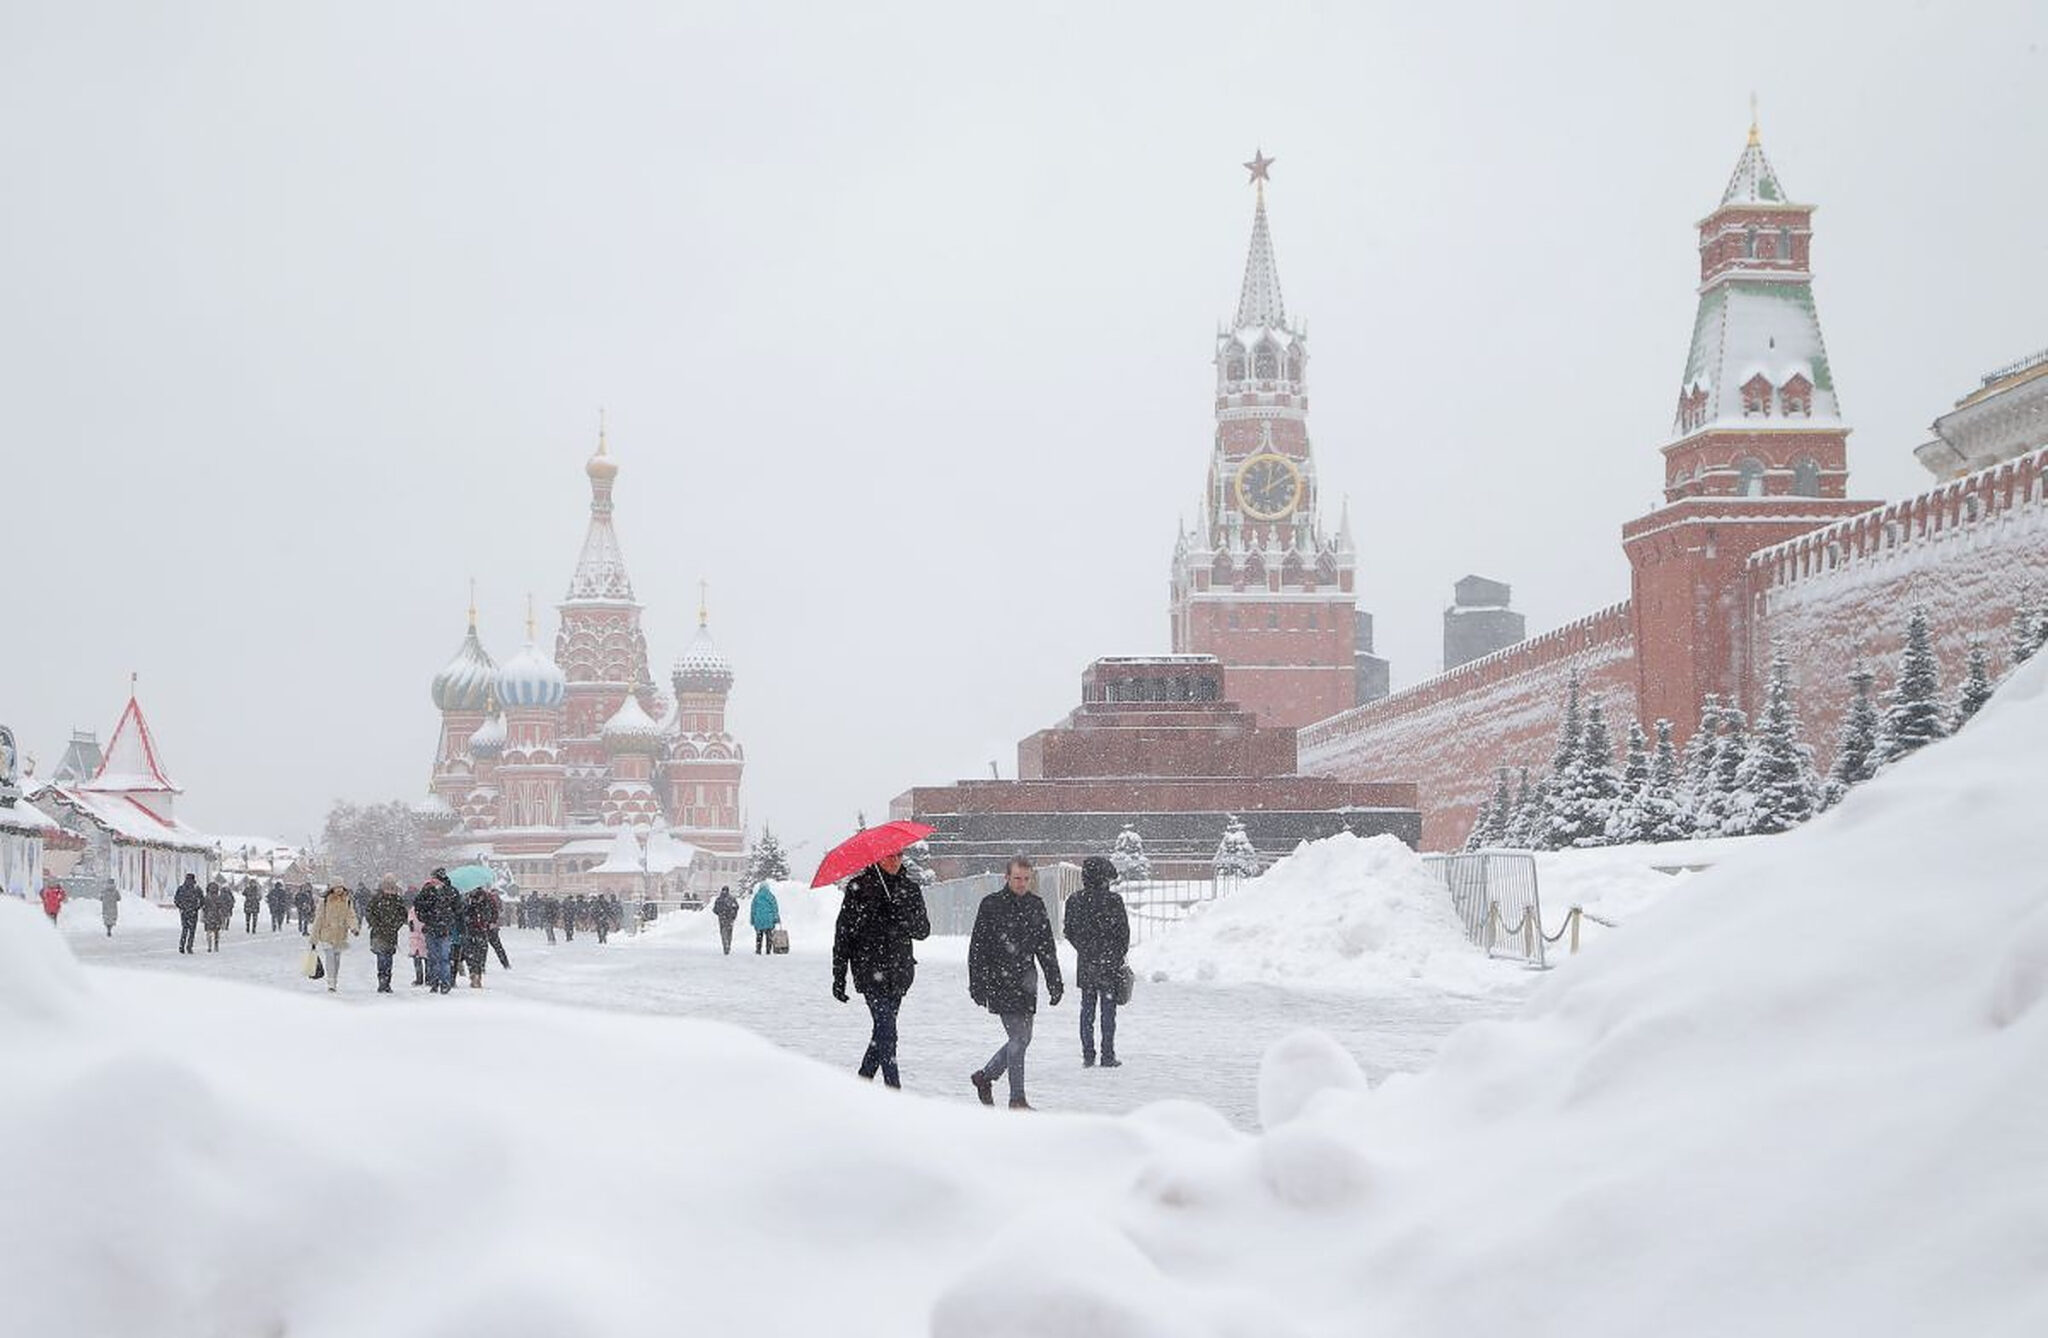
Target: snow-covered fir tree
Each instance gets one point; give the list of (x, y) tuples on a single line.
[(1481, 821), (1572, 733), (1524, 818), (1626, 827), (1587, 793), (766, 861), (1235, 855), (1912, 719), (1662, 814), (1701, 751), (1502, 815), (1976, 689), (1725, 812), (1133, 865), (2029, 627), (1856, 748), (1778, 788)]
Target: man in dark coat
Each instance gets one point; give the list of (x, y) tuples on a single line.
[(278, 903), (570, 906), (388, 915), (480, 916), (550, 915), (252, 904), (882, 913), (188, 899), (1012, 939), (1099, 927), (439, 907), (727, 908), (217, 912), (302, 906)]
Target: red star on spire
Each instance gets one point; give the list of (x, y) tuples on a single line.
[(1259, 165)]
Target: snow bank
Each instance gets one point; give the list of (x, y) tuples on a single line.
[(1346, 912), (808, 916), (40, 981)]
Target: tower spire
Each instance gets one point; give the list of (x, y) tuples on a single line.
[(529, 616), (1755, 139), (703, 603), (472, 603), (1259, 304)]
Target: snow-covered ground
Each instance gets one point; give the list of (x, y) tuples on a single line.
[(1803, 1093)]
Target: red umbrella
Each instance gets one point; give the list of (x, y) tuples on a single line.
[(867, 847)]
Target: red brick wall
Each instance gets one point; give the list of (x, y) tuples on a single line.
[(1449, 734)]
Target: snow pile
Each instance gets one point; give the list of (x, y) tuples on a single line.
[(1347, 912), (39, 979), (808, 916), (85, 915)]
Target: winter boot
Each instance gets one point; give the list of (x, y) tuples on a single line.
[(476, 979), (984, 1087), (1019, 1103), (1110, 1061), (1087, 1059)]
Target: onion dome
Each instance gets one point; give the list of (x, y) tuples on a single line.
[(465, 684), (434, 811), (531, 679), (601, 467), (489, 739), (702, 667), (631, 730)]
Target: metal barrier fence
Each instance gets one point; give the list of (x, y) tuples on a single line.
[(1153, 905), (1495, 896), (1156, 906)]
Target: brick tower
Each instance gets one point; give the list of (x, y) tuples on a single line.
[(705, 762), (599, 646), (1758, 451), (1258, 583)]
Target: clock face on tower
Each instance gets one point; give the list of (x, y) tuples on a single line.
[(1268, 486)]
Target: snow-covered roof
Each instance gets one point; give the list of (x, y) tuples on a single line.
[(531, 678), (702, 667), (601, 566), (1259, 304), (624, 856), (1749, 326), (125, 817), (465, 683), (1753, 181), (666, 854), (489, 738), (26, 817), (585, 845), (630, 727), (131, 764)]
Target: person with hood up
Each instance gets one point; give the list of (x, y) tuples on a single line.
[(332, 924), (766, 913), (302, 906), (1012, 938), (387, 914), (252, 904), (881, 915), (278, 902), (439, 907), (727, 908), (1099, 927), (188, 899), (480, 914), (216, 913), (110, 905)]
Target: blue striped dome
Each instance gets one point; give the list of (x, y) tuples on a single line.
[(531, 680), (465, 684)]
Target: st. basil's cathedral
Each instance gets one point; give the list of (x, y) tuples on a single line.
[(551, 765)]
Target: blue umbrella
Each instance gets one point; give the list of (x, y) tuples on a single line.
[(470, 877)]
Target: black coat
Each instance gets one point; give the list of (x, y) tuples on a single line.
[(1099, 927), (387, 917), (726, 907), (439, 907), (1012, 938), (188, 898), (880, 916)]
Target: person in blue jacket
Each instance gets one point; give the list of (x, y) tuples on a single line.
[(765, 915)]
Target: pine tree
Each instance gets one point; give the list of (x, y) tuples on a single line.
[(1562, 817), (1776, 777), (2028, 628), (1587, 794), (1664, 816), (1630, 812), (1976, 689), (1700, 756), (1572, 734), (1913, 718), (1483, 819), (1726, 812), (1502, 816), (1133, 865), (1235, 855), (1856, 749), (1519, 834), (767, 862)]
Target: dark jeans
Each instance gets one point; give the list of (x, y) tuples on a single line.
[(882, 1044), (761, 939), (1108, 998), (725, 934), (1009, 1057), (188, 929), (249, 920), (439, 973), (276, 921), (384, 967)]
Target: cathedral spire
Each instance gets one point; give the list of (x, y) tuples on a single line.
[(1259, 305), (601, 567)]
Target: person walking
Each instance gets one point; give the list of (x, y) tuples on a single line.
[(53, 898), (479, 921), (110, 905), (188, 899), (570, 907), (1012, 938), (332, 924), (416, 943), (252, 904), (881, 915), (727, 908), (439, 907), (276, 900), (302, 905), (1099, 927), (766, 914), (386, 915), (601, 916), (550, 915), (216, 914)]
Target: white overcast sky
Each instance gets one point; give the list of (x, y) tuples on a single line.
[(902, 316)]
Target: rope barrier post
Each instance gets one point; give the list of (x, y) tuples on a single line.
[(1575, 931), (1492, 919), (1529, 938)]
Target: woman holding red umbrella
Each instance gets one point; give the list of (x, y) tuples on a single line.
[(882, 914)]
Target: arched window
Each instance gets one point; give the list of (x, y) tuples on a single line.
[(1796, 399), (1294, 365), (1749, 477), (1756, 396), (1233, 367), (1806, 477), (1266, 363)]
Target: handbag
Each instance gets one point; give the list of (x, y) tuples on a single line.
[(314, 967), (1126, 983)]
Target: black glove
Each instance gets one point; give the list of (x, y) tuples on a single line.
[(839, 990), (1054, 993)]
